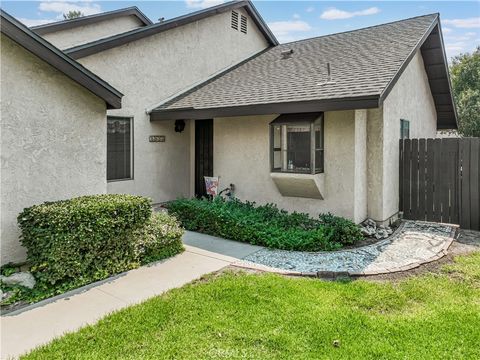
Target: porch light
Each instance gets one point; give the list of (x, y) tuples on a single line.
[(179, 125)]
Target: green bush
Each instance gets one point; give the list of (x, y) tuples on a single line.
[(74, 242), (264, 225), (159, 238)]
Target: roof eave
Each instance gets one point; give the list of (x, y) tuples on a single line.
[(41, 48), (364, 102), (405, 63), (91, 19)]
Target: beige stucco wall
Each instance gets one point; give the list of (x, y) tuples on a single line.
[(65, 39), (53, 140), (241, 157), (410, 99), (152, 69)]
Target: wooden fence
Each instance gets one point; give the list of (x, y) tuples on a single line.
[(439, 180)]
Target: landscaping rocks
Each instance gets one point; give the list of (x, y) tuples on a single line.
[(369, 228), (21, 278), (412, 244)]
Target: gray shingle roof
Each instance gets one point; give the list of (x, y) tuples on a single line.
[(363, 62)]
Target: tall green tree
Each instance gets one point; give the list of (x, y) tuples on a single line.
[(72, 14), (465, 75)]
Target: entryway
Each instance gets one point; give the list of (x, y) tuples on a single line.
[(203, 154)]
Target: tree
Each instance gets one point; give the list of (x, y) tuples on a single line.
[(72, 14), (465, 75)]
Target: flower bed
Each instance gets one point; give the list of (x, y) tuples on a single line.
[(265, 225)]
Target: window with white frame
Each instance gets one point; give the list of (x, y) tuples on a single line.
[(296, 143), (119, 148)]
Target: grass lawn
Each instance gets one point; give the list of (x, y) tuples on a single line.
[(250, 316)]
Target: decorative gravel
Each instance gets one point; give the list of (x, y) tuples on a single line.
[(411, 245)]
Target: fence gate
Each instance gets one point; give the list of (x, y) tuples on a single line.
[(439, 180)]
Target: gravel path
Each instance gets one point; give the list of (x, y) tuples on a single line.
[(413, 243)]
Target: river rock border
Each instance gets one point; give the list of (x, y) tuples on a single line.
[(412, 244)]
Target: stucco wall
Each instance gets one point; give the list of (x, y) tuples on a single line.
[(410, 99), (53, 140), (241, 156), (152, 69), (65, 39)]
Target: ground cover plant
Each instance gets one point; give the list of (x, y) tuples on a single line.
[(75, 242), (251, 316), (265, 225)]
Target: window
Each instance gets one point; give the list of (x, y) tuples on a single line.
[(297, 143), (119, 148), (234, 20), (243, 24), (404, 129)]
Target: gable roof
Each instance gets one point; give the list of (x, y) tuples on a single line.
[(91, 19), (365, 64), (94, 47), (34, 43)]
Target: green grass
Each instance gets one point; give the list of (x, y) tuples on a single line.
[(433, 316)]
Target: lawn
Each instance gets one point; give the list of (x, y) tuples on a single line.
[(250, 316)]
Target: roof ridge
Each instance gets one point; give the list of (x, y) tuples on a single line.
[(360, 29)]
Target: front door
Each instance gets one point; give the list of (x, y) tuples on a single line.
[(203, 154)]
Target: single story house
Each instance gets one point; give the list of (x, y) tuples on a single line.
[(312, 125)]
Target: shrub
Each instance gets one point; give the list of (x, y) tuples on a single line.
[(343, 231), (73, 242), (159, 238), (264, 225)]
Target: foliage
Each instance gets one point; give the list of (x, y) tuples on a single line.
[(8, 269), (465, 75), (159, 238), (251, 316), (74, 242), (73, 14), (264, 225)]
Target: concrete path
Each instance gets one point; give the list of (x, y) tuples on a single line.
[(42, 322), (218, 245)]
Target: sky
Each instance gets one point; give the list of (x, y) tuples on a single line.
[(289, 20)]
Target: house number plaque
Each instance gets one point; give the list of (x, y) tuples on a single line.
[(156, 138)]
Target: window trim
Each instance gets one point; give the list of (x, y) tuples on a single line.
[(132, 165), (308, 119)]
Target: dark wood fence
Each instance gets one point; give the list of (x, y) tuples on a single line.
[(439, 180)]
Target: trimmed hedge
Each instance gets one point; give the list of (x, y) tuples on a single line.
[(74, 242), (264, 225)]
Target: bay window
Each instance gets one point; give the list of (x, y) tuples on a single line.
[(296, 143)]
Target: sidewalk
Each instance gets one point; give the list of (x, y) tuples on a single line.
[(28, 329)]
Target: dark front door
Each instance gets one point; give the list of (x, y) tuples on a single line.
[(203, 154)]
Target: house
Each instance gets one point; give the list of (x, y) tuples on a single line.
[(311, 125)]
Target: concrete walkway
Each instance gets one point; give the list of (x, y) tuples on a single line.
[(44, 321)]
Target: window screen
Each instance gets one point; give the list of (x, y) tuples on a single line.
[(119, 148)]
